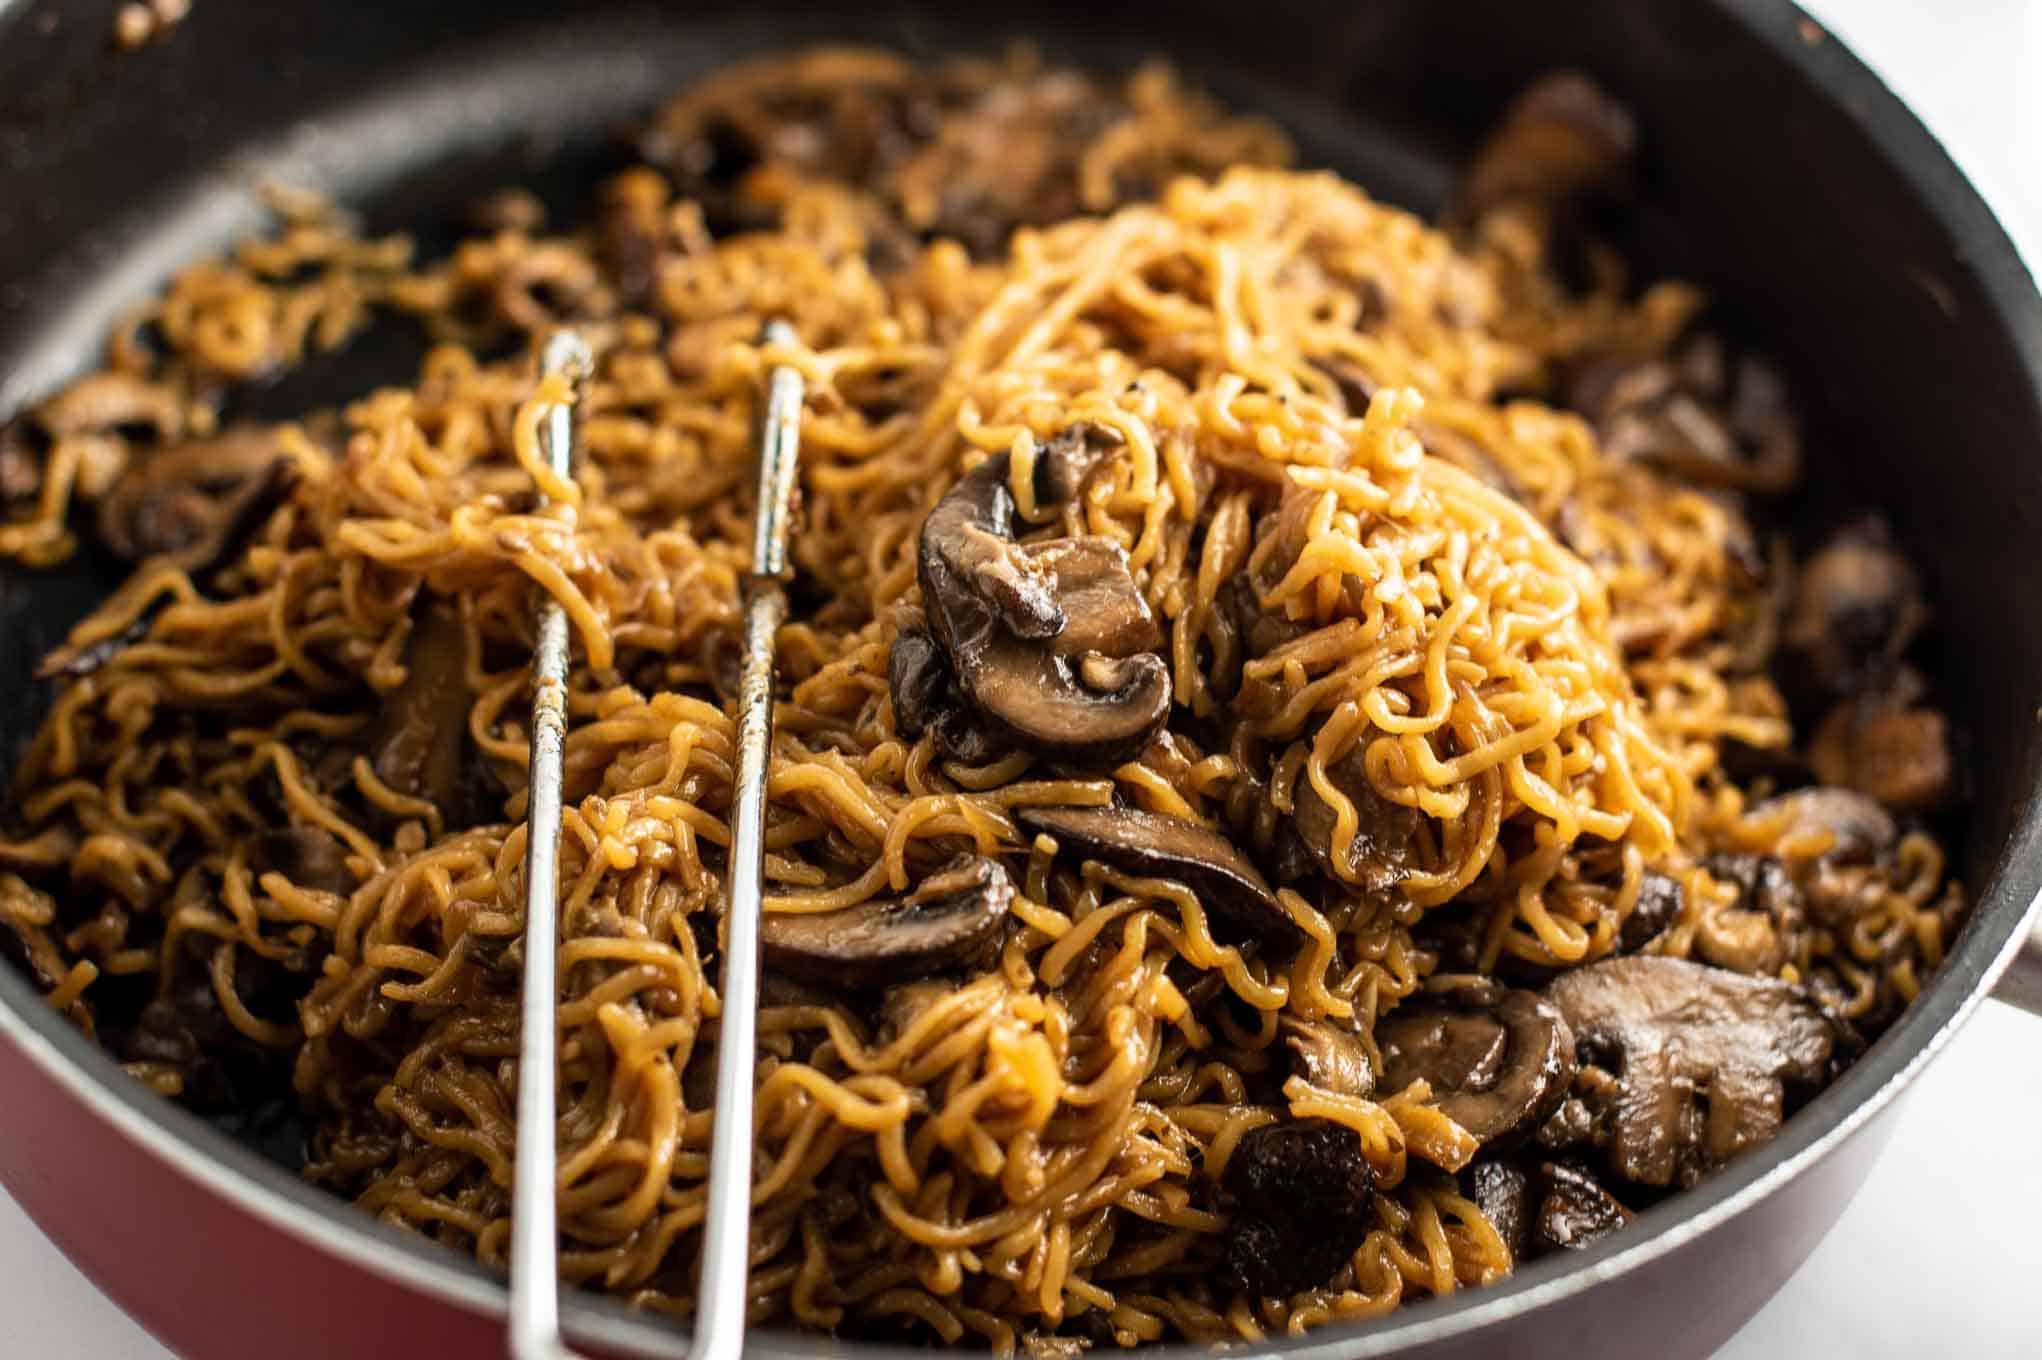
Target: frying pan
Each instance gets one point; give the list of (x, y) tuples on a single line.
[(1777, 170)]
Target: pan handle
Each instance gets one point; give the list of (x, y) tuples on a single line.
[(2021, 984)]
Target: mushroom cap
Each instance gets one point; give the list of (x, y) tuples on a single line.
[(1052, 642), (1498, 1059), (948, 920), (1700, 1055), (1155, 846)]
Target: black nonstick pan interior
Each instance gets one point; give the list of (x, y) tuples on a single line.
[(127, 166)]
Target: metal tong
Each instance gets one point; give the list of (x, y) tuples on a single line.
[(726, 1230)]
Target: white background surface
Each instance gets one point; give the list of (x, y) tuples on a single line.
[(1942, 1253)]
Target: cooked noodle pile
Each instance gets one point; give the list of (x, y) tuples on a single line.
[(1396, 587)]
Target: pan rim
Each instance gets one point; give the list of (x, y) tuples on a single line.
[(1995, 932)]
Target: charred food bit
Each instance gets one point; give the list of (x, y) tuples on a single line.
[(1154, 846), (1658, 906), (1299, 1193), (1498, 1060), (1051, 642), (1573, 1211), (949, 920), (1502, 1191), (1700, 1058)]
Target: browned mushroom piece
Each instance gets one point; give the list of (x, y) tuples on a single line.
[(1859, 830), (1502, 1192), (420, 739), (1051, 642), (951, 920), (1563, 136), (1754, 933), (1883, 743), (309, 856), (1698, 414), (185, 495), (1382, 850), (1329, 1057), (1857, 606), (1150, 845), (1659, 905), (238, 519), (1574, 1210), (925, 698), (1300, 1196), (1700, 1058), (1498, 1059)]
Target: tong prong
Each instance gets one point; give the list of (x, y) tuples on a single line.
[(535, 1234)]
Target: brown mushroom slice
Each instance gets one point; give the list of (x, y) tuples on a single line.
[(1382, 852), (419, 740), (222, 545), (1857, 606), (183, 496), (309, 856), (1700, 1057), (1154, 846), (1052, 642), (1878, 743), (1300, 1194), (1498, 1059), (1574, 1211), (949, 920), (1330, 1058), (1563, 136), (1859, 829)]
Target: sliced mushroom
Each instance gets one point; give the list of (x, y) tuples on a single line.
[(1382, 852), (1574, 1211), (949, 920), (1154, 846), (1859, 829), (419, 741), (1563, 136), (1503, 1193), (1658, 906), (1857, 606), (1300, 1194), (925, 698), (1754, 933), (309, 856), (1051, 642), (1876, 744), (221, 545), (1699, 1058), (182, 496), (1330, 1058), (1700, 416), (1498, 1060)]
